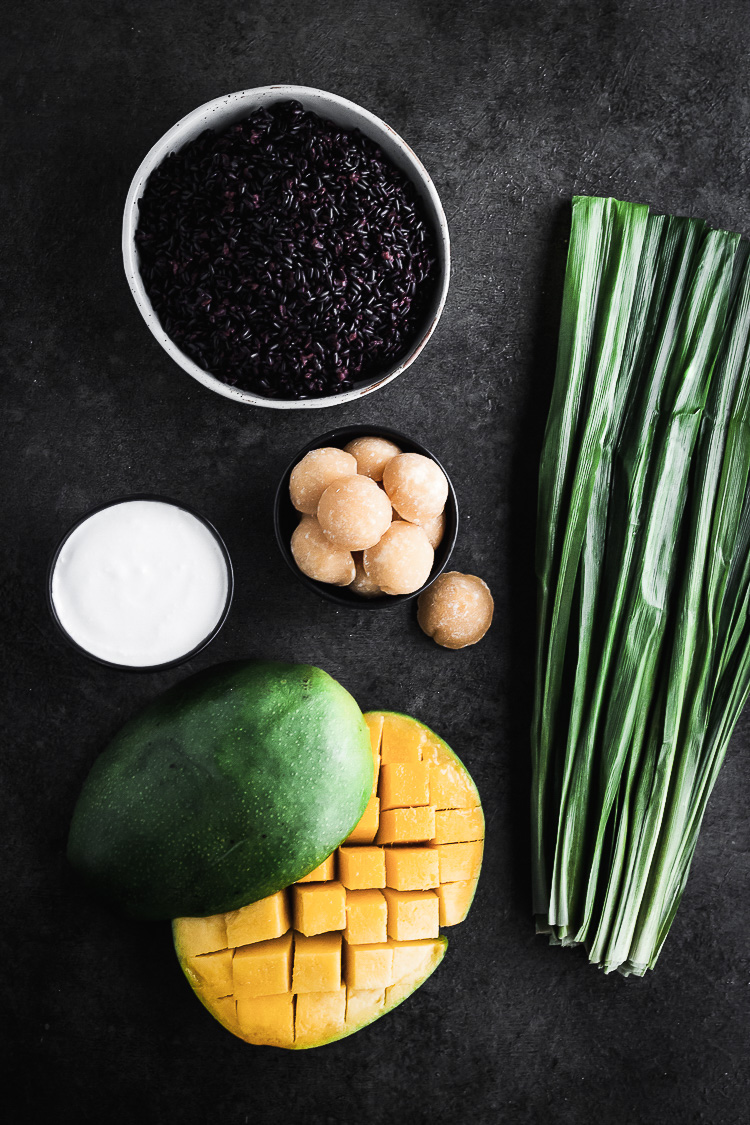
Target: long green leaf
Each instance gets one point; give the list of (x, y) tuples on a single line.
[(643, 563)]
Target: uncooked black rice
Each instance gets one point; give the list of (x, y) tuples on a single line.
[(286, 256)]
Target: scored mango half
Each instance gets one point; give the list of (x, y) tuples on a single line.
[(348, 942)]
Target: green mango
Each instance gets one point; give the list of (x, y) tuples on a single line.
[(230, 786)]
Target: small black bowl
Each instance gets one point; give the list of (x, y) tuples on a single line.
[(286, 517), (141, 667)]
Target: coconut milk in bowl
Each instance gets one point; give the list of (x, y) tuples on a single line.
[(140, 583)]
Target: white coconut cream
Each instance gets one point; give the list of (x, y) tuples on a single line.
[(140, 583)]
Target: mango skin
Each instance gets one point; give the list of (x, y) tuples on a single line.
[(227, 788)]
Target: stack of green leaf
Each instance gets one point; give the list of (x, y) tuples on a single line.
[(643, 562)]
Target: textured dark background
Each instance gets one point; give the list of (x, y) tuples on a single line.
[(513, 107)]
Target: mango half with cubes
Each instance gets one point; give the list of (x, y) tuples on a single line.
[(358, 934), (224, 790)]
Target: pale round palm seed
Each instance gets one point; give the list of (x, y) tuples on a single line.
[(401, 561), (434, 529), (456, 610), (372, 454), (311, 476), (417, 487), (363, 584), (354, 513), (317, 557)]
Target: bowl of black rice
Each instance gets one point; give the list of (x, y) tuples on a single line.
[(286, 248)]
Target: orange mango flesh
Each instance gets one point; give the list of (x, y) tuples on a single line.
[(361, 868), (326, 870), (366, 917), (319, 907), (356, 936)]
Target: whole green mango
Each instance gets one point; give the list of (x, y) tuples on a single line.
[(227, 788)]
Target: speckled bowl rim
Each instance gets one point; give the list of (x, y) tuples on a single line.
[(285, 516), (153, 497), (231, 107)]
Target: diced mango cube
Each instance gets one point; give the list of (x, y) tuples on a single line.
[(366, 828), (319, 907), (319, 1015), (411, 869), (201, 935), (403, 784), (431, 749), (267, 1019), (374, 721), (211, 973), (375, 775), (412, 914), (411, 958), (366, 917), (225, 1008), (368, 966), (361, 1002), (360, 868), (402, 740), (263, 968), (325, 870), (317, 963), (455, 900), (450, 787), (406, 826), (455, 826), (399, 991), (459, 861), (260, 921), (375, 727)]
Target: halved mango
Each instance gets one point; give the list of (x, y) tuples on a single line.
[(429, 848)]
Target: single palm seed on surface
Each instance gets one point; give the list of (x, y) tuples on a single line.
[(456, 610)]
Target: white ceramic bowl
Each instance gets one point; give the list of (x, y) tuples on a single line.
[(220, 114)]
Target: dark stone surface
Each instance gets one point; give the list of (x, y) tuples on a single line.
[(513, 107)]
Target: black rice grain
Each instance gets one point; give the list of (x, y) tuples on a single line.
[(264, 247)]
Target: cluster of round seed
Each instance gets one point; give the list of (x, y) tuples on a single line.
[(372, 516)]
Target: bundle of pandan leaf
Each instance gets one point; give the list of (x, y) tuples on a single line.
[(643, 563)]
